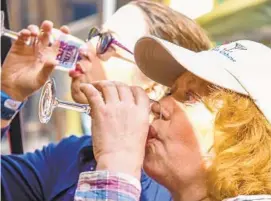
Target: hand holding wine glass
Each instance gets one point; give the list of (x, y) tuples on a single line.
[(120, 124), (30, 61)]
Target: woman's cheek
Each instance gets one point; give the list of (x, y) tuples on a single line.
[(118, 70), (202, 121)]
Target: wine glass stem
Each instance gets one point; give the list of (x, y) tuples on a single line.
[(83, 108), (10, 34)]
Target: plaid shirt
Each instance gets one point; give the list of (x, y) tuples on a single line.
[(107, 186)]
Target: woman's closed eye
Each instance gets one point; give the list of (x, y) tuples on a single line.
[(159, 115), (168, 93), (191, 97)]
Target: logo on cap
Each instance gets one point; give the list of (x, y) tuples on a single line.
[(237, 46), (226, 51)]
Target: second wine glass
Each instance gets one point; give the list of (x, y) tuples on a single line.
[(48, 102)]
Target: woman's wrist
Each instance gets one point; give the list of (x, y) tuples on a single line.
[(9, 108), (15, 95), (120, 163)]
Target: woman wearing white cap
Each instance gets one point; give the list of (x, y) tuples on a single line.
[(230, 136), (211, 138)]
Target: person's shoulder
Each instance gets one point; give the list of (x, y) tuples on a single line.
[(72, 143), (66, 152), (74, 140)]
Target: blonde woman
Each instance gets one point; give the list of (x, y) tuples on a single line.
[(229, 86), (211, 136)]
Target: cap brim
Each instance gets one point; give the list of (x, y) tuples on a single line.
[(153, 57), (164, 62)]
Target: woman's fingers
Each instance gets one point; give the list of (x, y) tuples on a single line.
[(34, 29), (140, 96), (24, 36), (35, 32), (65, 29), (45, 36), (93, 96), (108, 91), (47, 26), (124, 92), (115, 92)]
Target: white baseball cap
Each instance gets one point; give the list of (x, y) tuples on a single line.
[(242, 66)]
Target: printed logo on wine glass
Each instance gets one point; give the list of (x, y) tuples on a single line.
[(67, 54)]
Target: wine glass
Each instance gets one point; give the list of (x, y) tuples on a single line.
[(8, 33), (48, 102)]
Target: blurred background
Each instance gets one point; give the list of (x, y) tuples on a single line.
[(224, 20)]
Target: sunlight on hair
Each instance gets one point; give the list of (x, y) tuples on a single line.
[(242, 147), (202, 121)]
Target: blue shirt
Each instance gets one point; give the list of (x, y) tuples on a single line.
[(52, 173)]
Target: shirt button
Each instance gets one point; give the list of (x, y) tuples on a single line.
[(91, 168)]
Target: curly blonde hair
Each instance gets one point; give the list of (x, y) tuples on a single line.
[(242, 147), (239, 162)]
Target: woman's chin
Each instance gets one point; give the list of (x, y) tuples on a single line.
[(153, 153), (150, 146), (152, 166), (148, 164)]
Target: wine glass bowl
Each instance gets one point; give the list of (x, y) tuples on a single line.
[(47, 101)]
